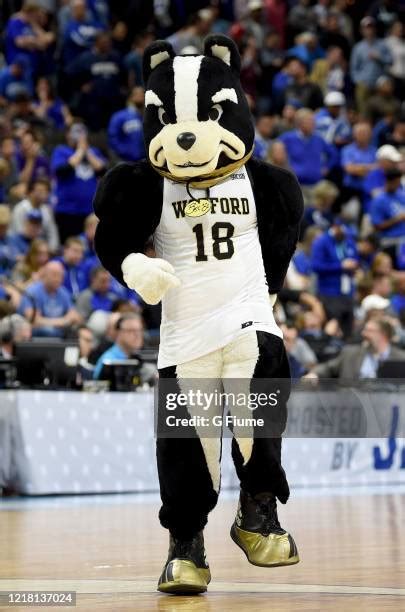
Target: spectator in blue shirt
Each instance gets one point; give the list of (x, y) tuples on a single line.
[(129, 340), (99, 75), (331, 121), (98, 296), (264, 127), (334, 261), (125, 131), (388, 158), (49, 305), (25, 36), (387, 213), (319, 209), (310, 157), (32, 163), (133, 60), (75, 279), (76, 167), (358, 159), (8, 252), (32, 230), (87, 237), (15, 80), (370, 59), (50, 108), (80, 32)]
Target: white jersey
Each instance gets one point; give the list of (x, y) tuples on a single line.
[(213, 245)]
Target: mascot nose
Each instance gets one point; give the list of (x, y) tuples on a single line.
[(186, 140)]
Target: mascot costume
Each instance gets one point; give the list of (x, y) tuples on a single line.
[(224, 228)]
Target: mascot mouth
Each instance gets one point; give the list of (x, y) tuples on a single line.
[(191, 165)]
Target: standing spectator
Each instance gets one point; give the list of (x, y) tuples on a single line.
[(25, 36), (38, 199), (133, 60), (10, 182), (319, 211), (358, 159), (388, 214), (370, 59), (330, 73), (301, 89), (80, 32), (31, 161), (264, 127), (87, 237), (125, 131), (383, 102), (99, 75), (54, 313), (32, 229), (76, 167), (75, 279), (334, 261), (8, 252), (49, 108), (331, 121), (332, 35), (309, 155), (396, 44)]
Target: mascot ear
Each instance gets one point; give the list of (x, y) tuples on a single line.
[(224, 49), (155, 54)]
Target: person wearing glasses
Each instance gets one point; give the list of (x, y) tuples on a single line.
[(129, 340)]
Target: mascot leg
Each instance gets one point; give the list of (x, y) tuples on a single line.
[(189, 475), (256, 529)]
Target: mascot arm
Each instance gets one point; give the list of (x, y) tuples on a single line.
[(128, 204), (280, 207)]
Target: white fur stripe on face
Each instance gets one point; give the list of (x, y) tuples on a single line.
[(186, 72), (225, 94)]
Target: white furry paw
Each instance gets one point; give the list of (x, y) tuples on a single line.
[(150, 277)]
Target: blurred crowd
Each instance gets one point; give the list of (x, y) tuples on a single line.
[(325, 82)]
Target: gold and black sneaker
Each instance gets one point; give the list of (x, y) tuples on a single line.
[(258, 533), (186, 571)]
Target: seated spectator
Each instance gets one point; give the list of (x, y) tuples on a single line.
[(387, 213), (98, 296), (48, 304), (49, 108), (129, 339), (309, 155), (31, 161), (25, 36), (277, 155), (264, 127), (331, 121), (13, 328), (10, 179), (319, 211), (86, 345), (330, 73), (14, 80), (334, 261), (8, 250), (307, 49), (90, 226), (27, 270), (75, 279), (133, 60), (125, 130), (387, 158), (367, 249), (299, 274), (38, 198), (32, 229), (76, 167), (362, 361), (398, 298), (300, 356), (358, 159), (324, 342)]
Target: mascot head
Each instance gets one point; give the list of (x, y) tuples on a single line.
[(197, 120)]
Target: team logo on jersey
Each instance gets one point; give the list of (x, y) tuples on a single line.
[(197, 208)]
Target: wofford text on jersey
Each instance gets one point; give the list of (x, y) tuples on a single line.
[(226, 206)]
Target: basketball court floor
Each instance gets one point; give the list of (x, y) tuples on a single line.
[(110, 550)]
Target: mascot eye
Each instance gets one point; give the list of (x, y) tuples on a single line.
[(215, 112), (163, 116)]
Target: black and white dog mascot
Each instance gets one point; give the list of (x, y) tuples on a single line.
[(224, 228)]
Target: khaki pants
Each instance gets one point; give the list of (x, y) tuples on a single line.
[(362, 93)]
